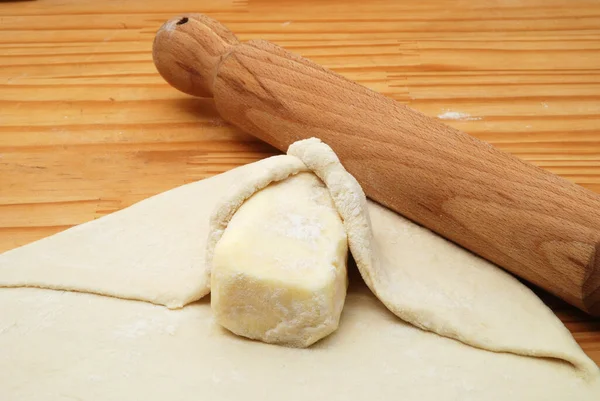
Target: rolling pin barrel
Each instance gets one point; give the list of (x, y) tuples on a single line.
[(536, 225)]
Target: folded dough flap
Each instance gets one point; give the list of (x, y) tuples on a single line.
[(435, 285), (152, 251)]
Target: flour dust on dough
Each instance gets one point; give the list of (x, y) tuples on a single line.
[(464, 306), (66, 345)]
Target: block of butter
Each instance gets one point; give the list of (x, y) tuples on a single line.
[(279, 270)]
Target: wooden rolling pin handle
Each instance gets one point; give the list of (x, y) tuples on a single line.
[(536, 225), (187, 51)]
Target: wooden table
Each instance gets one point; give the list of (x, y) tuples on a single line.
[(87, 126)]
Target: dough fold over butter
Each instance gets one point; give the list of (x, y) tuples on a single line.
[(422, 278)]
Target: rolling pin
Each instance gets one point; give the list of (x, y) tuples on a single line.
[(534, 224)]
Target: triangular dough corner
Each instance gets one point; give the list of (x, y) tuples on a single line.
[(151, 251)]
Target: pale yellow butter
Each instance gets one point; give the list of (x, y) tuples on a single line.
[(279, 270)]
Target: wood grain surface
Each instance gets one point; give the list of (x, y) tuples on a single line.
[(87, 126)]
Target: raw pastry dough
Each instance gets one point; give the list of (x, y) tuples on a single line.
[(152, 251), (279, 271), (63, 346), (67, 345)]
